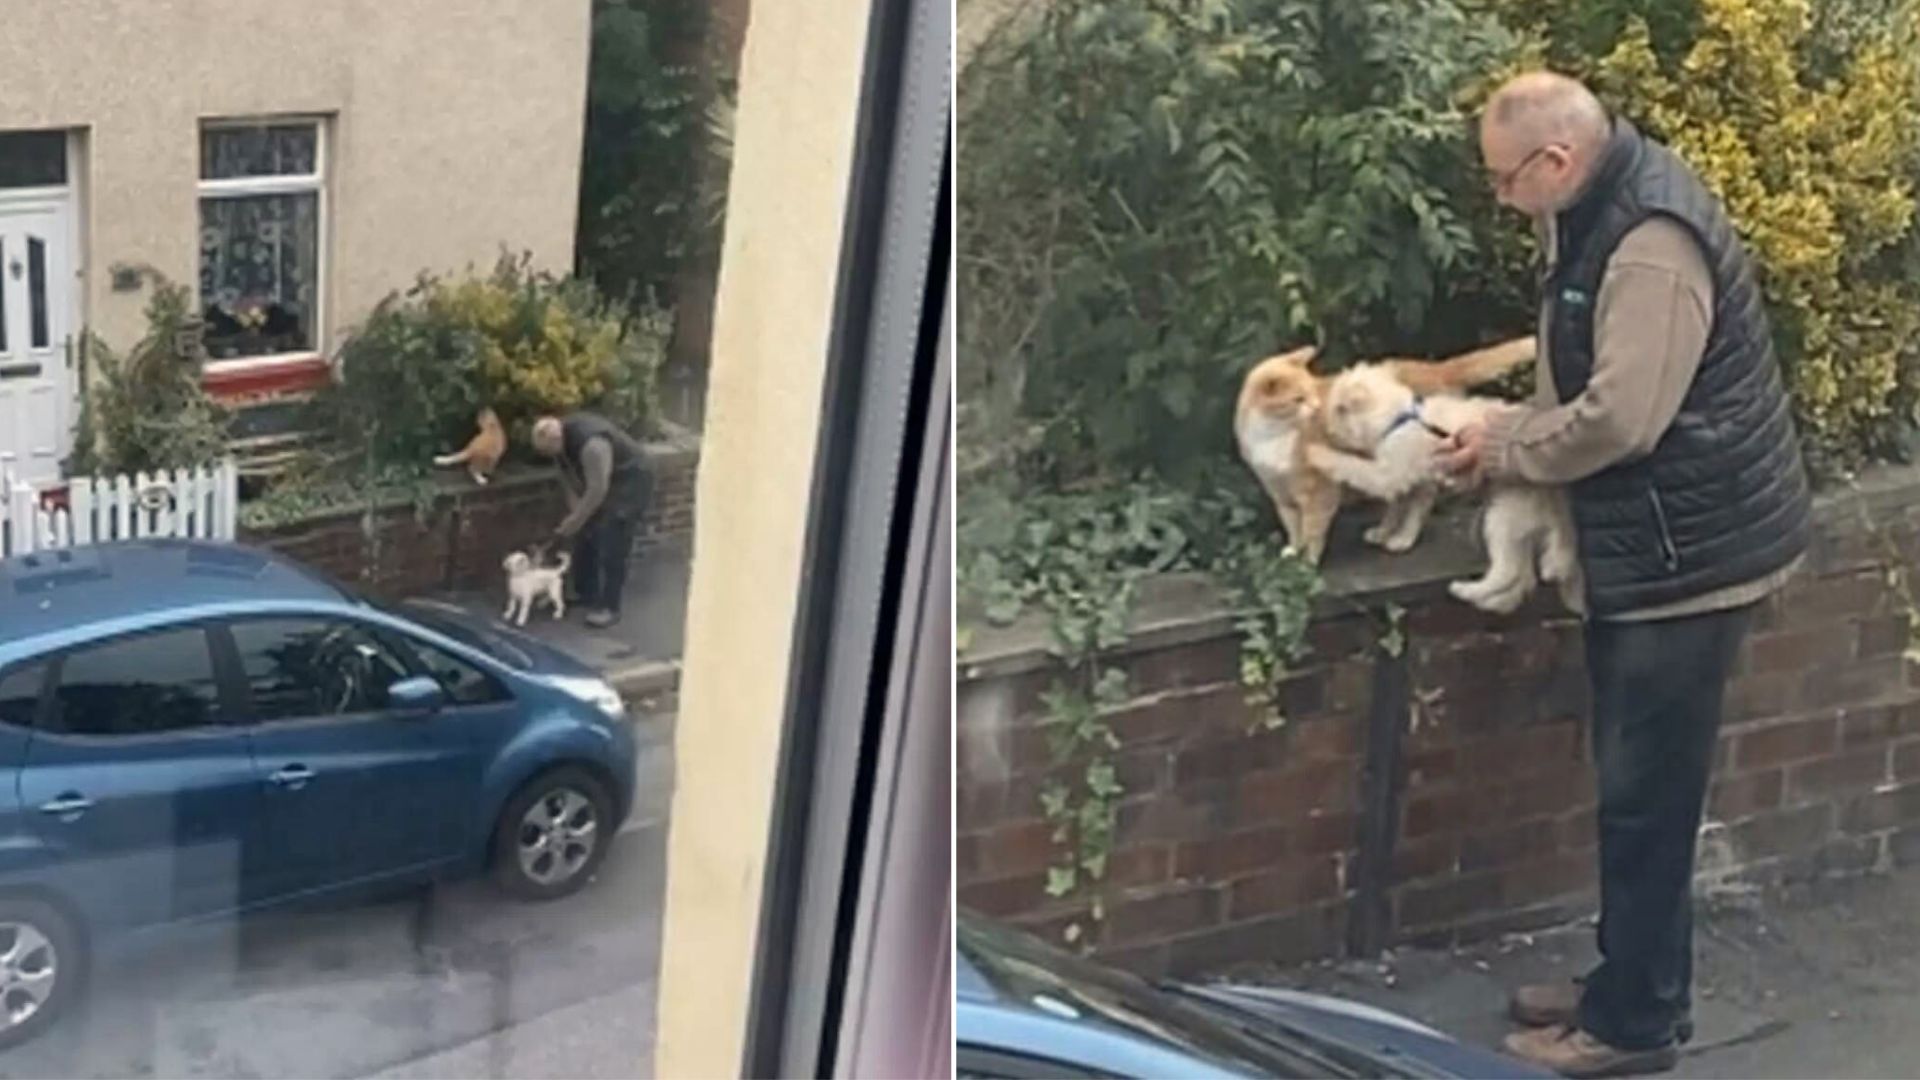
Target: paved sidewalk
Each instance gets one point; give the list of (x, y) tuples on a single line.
[(1821, 980), (641, 654)]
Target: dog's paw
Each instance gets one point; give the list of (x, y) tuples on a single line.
[(1571, 597), (1401, 543), (1376, 535), (1505, 603)]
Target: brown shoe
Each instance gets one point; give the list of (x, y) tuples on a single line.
[(1574, 1053), (1546, 1004)]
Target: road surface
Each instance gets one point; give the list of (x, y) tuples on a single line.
[(458, 981)]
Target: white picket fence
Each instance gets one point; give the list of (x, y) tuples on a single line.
[(198, 503)]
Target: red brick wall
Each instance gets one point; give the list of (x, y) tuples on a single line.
[(1496, 820), (1230, 844), (460, 541), (1234, 846)]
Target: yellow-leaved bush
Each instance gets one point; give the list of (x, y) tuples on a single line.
[(1816, 168), (517, 340), (543, 349)]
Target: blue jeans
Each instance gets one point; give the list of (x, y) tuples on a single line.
[(601, 553), (1657, 694)]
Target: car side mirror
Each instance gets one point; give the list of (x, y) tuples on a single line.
[(420, 694)]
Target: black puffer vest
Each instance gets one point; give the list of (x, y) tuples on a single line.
[(630, 480), (1723, 498)]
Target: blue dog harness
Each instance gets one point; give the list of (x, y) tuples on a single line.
[(1411, 415)]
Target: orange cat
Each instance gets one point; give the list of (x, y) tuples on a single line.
[(1279, 415), (483, 452)]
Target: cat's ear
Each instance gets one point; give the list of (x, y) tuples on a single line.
[(1300, 357)]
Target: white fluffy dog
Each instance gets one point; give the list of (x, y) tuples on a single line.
[(1525, 526), (527, 583)]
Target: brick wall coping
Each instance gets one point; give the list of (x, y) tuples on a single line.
[(1176, 609), (453, 483)]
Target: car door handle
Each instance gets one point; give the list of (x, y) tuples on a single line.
[(69, 805), (293, 777)]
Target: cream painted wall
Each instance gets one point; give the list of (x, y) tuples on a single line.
[(799, 88), (457, 126)]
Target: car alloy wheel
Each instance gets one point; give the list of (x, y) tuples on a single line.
[(41, 967), (552, 834), (557, 836), (29, 971)]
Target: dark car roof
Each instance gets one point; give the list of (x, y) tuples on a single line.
[(1104, 1020), (51, 592)]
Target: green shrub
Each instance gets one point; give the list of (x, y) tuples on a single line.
[(631, 395), (313, 486), (548, 344), (408, 382), (147, 411), (518, 340), (1154, 193)]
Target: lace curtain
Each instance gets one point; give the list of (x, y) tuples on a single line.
[(259, 261), (259, 254)]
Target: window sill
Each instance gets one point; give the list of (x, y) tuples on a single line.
[(282, 373)]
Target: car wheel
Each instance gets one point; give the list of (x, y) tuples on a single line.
[(552, 835), (42, 966)]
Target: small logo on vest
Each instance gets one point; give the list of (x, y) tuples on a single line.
[(1574, 298)]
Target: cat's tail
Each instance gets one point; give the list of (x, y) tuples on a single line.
[(453, 459), (1466, 369)]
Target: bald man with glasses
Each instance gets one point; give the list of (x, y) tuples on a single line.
[(1659, 408)]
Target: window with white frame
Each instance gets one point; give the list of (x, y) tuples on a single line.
[(262, 196)]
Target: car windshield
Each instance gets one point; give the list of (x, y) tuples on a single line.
[(1022, 969), (440, 617)]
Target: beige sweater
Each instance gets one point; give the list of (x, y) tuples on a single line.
[(1651, 322)]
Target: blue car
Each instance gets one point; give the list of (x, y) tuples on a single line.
[(1025, 1009), (191, 730)]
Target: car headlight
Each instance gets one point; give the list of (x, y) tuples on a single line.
[(595, 692)]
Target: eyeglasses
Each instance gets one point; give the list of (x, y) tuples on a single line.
[(1502, 181)]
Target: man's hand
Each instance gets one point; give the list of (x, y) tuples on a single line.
[(1460, 458)]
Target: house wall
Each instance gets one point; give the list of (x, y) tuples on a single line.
[(1242, 845), (456, 126)]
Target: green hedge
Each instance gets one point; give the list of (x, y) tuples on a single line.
[(1155, 193)]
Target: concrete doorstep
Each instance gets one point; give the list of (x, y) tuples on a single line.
[(646, 678)]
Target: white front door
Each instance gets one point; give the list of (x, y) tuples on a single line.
[(36, 305)]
